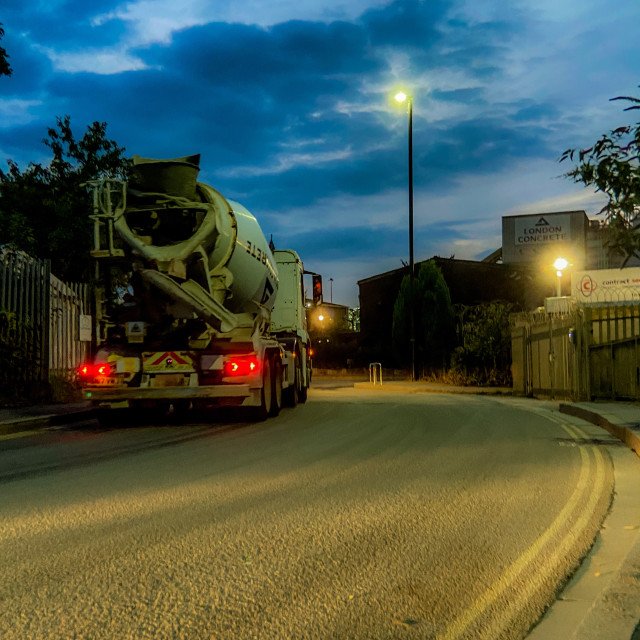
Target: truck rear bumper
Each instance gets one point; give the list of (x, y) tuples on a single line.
[(111, 394)]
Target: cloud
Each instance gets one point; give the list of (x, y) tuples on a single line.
[(15, 112), (101, 61), (289, 105), (285, 162)]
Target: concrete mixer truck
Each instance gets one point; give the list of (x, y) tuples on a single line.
[(193, 309)]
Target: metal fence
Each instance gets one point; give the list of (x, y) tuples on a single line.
[(24, 318), (39, 322), (589, 352), (68, 304)]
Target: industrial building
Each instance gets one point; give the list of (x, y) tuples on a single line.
[(520, 272)]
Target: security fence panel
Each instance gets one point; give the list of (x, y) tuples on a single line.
[(614, 357), (520, 359), (588, 353), (68, 303), (24, 320), (39, 324)]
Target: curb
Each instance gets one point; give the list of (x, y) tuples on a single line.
[(399, 386), (627, 435), (34, 423)]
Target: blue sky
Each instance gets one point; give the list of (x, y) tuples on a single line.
[(289, 105)]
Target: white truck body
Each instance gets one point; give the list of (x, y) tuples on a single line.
[(203, 313)]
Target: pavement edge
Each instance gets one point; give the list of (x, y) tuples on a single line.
[(621, 431)]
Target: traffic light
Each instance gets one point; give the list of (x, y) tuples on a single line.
[(317, 289)]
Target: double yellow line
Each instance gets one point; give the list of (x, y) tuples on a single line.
[(544, 566)]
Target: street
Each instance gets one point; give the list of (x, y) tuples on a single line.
[(356, 515)]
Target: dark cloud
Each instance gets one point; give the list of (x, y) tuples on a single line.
[(529, 111), (406, 23), (244, 55), (66, 25), (349, 243), (353, 244), (268, 108), (31, 68)]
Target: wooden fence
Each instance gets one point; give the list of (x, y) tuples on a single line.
[(586, 353), (39, 323)]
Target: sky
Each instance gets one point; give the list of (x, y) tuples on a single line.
[(290, 106)]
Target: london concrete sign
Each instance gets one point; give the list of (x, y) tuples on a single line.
[(597, 286), (543, 229)]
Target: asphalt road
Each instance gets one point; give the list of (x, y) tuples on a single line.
[(356, 515)]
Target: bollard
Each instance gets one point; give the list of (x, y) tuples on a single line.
[(375, 373)]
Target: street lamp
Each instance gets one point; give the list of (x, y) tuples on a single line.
[(560, 265), (403, 97)]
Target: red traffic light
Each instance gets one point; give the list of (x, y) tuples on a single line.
[(317, 289)]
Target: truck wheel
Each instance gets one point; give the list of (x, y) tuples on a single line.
[(276, 390), (292, 393), (302, 394), (266, 395)]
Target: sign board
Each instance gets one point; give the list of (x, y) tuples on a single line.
[(85, 328), (617, 286), (542, 229)]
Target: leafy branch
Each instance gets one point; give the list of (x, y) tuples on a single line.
[(612, 166)]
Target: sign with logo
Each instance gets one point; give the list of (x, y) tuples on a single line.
[(618, 286), (542, 229), (85, 328)]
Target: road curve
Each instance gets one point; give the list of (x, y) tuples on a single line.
[(353, 516)]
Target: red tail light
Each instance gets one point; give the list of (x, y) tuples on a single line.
[(241, 366), (94, 370)]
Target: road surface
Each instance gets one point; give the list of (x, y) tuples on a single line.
[(357, 515)]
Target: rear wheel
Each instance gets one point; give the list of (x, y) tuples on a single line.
[(266, 393), (302, 394), (292, 393), (276, 390)]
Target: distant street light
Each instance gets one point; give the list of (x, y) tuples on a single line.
[(402, 97), (331, 290), (560, 265)]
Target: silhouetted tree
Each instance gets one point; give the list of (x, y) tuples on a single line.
[(433, 317), (5, 69), (612, 166), (483, 354), (44, 210)]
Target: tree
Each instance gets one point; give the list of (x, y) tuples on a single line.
[(483, 353), (433, 316), (612, 165), (44, 210), (5, 69)]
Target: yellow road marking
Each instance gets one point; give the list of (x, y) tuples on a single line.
[(18, 434), (509, 577), (561, 550)]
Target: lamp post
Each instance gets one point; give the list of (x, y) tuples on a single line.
[(403, 97), (560, 265)]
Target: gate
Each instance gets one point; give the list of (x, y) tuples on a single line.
[(68, 302), (39, 323), (586, 353)]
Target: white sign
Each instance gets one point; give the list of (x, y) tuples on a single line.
[(543, 229), (619, 286), (85, 328)]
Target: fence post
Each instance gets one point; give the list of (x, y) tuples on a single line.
[(375, 368)]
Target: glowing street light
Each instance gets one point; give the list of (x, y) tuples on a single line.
[(560, 265), (401, 97)]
